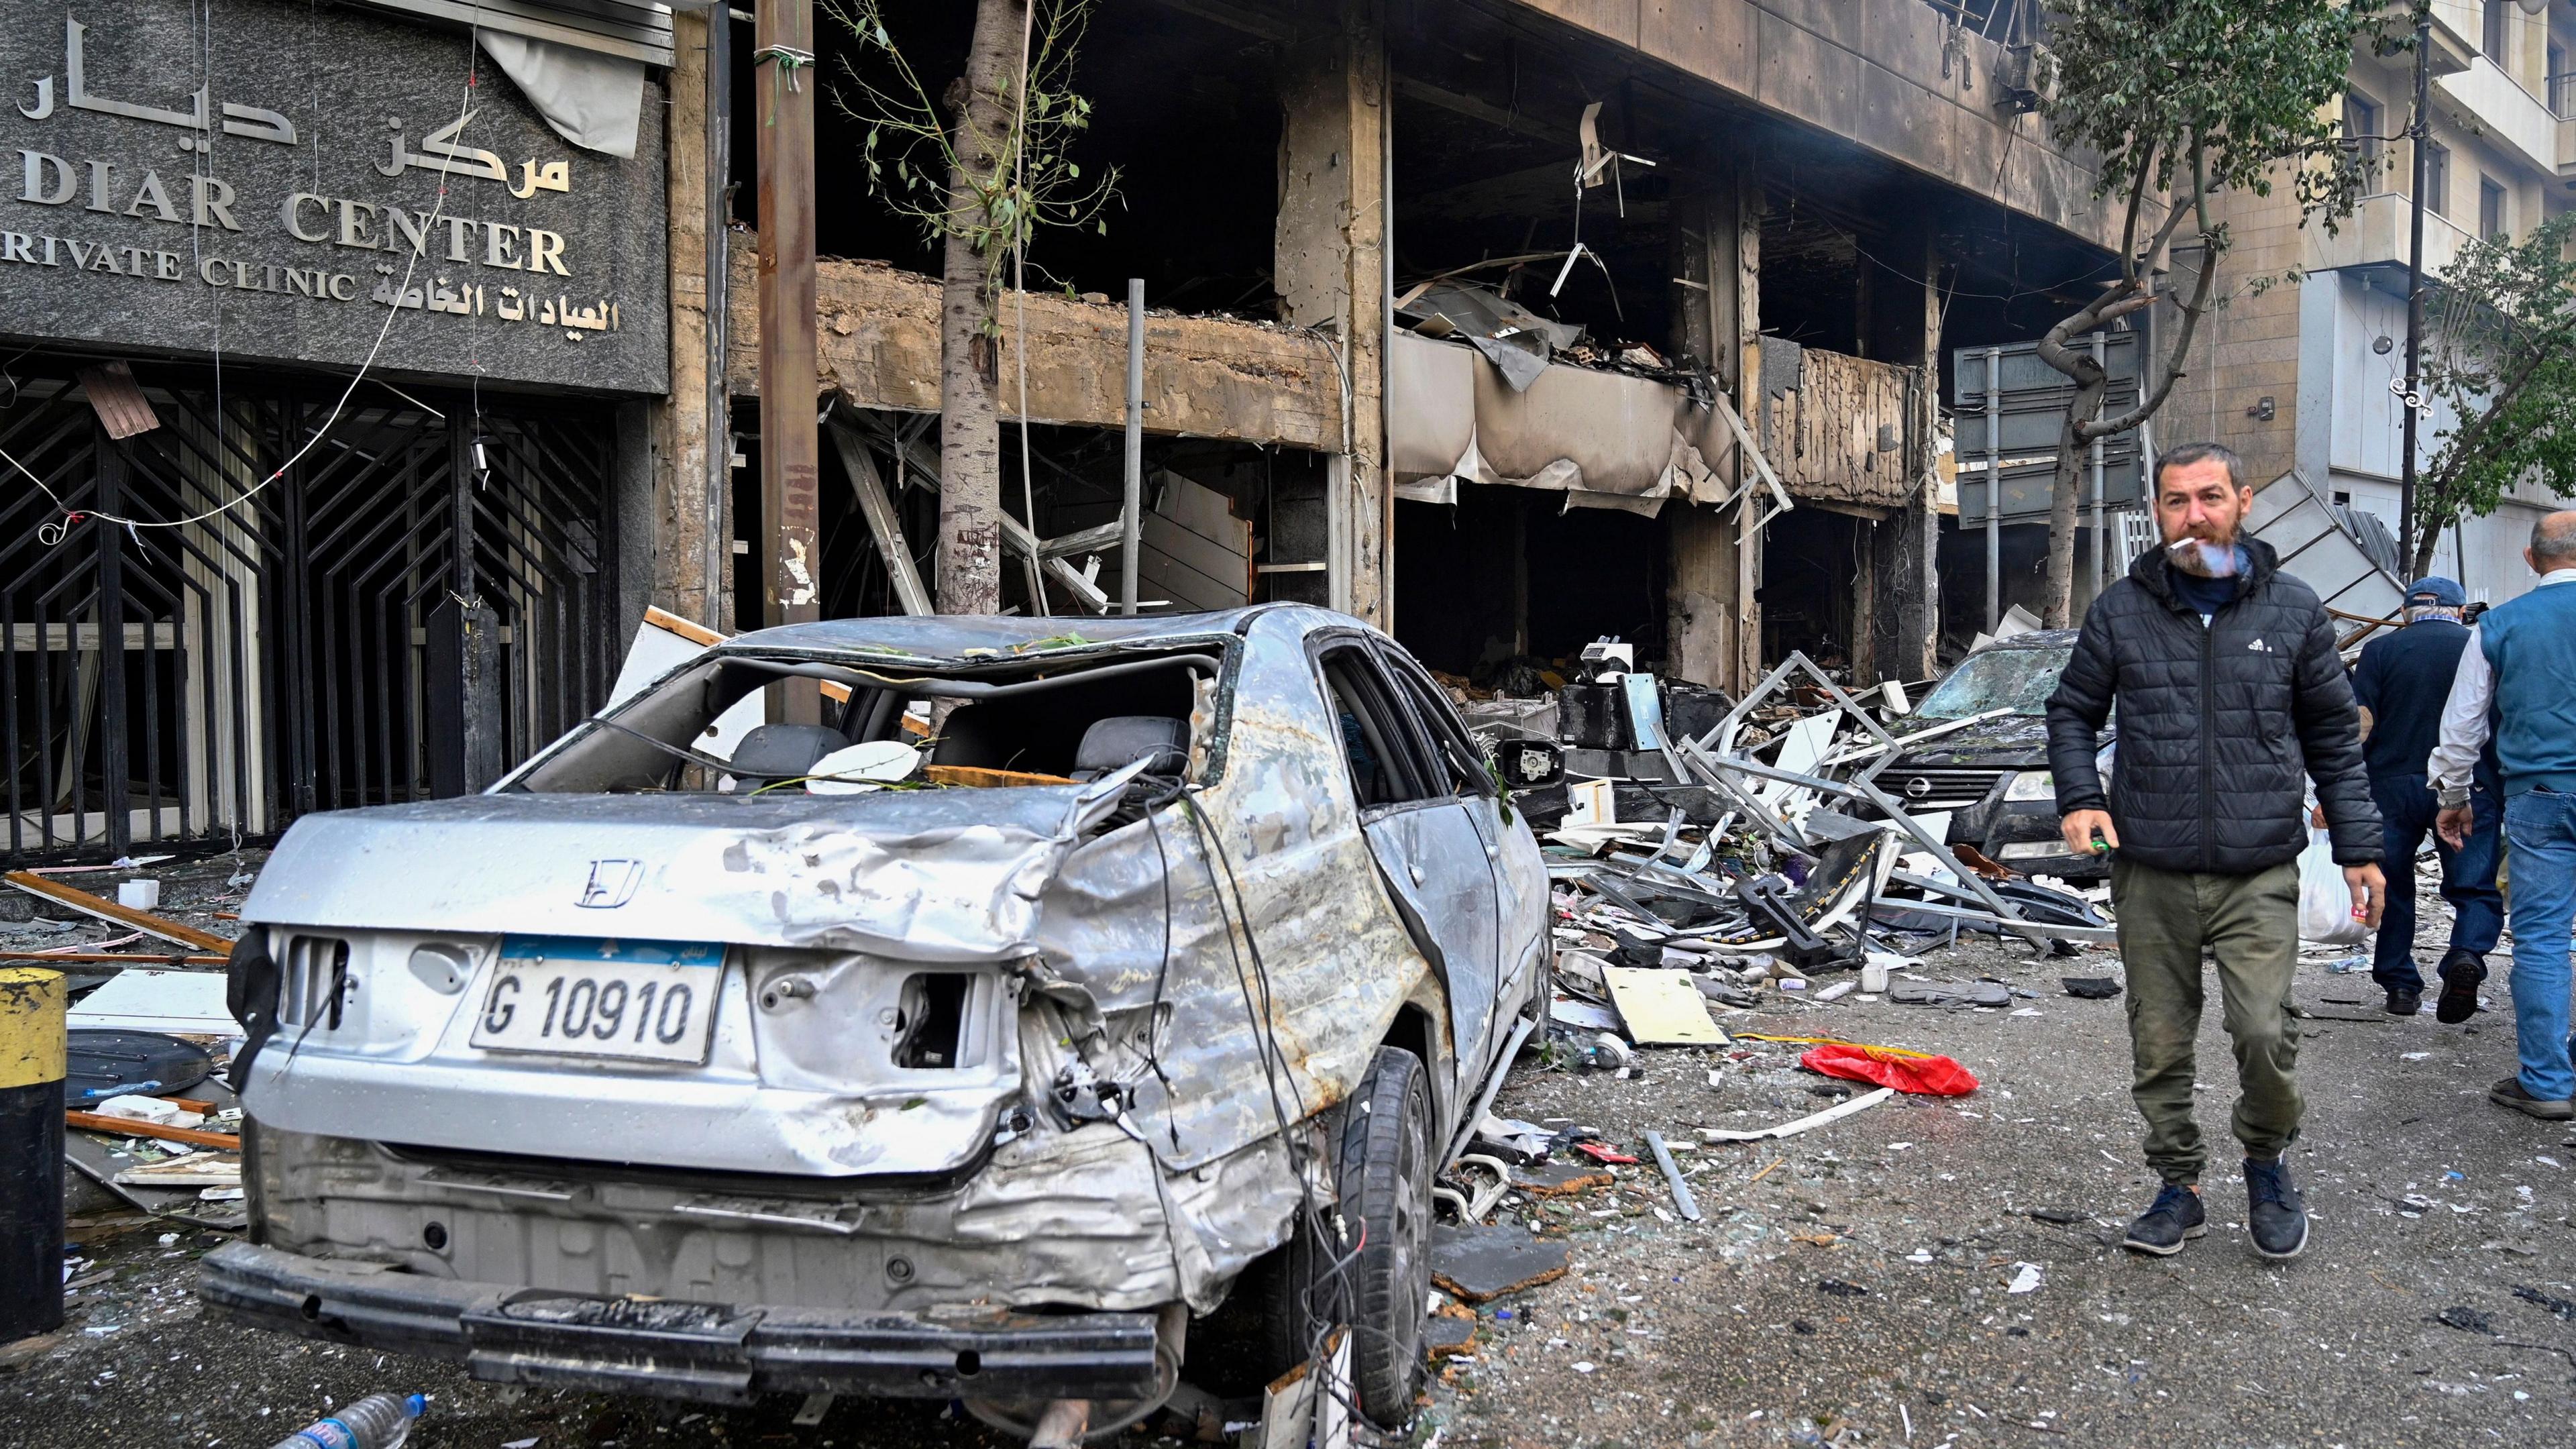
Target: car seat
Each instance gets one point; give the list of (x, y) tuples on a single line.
[(773, 752), (1122, 739)]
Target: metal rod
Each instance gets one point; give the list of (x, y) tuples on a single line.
[(2421, 134), (1687, 1205), (1994, 489), (790, 442), (1134, 509), (115, 787)]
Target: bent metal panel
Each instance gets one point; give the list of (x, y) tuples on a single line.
[(272, 184)]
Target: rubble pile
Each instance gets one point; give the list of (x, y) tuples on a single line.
[(1722, 861)]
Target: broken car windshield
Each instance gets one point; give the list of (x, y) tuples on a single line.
[(726, 725), (2019, 680)]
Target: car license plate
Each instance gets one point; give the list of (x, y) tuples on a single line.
[(593, 997)]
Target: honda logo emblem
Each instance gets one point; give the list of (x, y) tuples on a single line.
[(612, 884)]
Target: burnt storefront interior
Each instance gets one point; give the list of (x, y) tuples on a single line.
[(1498, 333)]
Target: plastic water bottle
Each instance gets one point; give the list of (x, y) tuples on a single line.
[(378, 1421)]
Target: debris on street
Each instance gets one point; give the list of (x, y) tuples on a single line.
[(1480, 1264)]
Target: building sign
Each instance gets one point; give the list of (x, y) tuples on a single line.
[(293, 183)]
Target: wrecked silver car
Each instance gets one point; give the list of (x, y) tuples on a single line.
[(1046, 1010)]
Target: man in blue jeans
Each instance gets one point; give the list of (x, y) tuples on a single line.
[(2402, 681), (2520, 665)]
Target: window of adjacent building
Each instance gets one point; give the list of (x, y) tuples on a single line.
[(2437, 178), (2492, 220), (2499, 29), (2361, 125), (2562, 83)]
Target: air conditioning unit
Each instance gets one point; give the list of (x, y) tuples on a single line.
[(2025, 78)]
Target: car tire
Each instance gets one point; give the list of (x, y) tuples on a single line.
[(1384, 1170), (1266, 1326)]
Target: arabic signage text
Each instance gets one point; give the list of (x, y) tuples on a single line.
[(253, 192)]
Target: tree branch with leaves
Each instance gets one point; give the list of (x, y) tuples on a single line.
[(981, 168), (2181, 99), (2502, 358)]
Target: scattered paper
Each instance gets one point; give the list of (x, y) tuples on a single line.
[(1662, 1008)]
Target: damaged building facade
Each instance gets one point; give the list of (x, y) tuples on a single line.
[(1504, 326)]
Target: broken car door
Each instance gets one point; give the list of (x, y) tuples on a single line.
[(1519, 871), (1424, 840)]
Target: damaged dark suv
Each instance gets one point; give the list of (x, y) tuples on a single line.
[(1977, 748), (1042, 1010)]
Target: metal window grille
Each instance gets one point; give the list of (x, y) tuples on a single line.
[(388, 620)]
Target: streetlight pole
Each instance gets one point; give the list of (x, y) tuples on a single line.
[(790, 434), (2419, 140)]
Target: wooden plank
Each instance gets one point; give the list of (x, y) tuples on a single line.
[(688, 629), (107, 910), (981, 778), (104, 958), (121, 1127)]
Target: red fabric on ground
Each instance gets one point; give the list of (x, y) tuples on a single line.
[(1925, 1076)]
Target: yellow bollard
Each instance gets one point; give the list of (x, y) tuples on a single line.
[(32, 1002)]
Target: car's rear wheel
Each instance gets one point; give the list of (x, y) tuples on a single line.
[(1269, 1324), (1385, 1176)]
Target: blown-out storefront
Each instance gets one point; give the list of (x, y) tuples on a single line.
[(323, 330)]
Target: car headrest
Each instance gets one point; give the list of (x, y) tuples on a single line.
[(1123, 739), (782, 751)]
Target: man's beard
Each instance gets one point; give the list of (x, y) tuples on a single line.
[(2205, 559)]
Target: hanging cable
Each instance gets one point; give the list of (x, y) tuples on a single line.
[(55, 531)]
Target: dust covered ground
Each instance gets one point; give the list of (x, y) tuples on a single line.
[(1746, 1329), (2429, 1203)]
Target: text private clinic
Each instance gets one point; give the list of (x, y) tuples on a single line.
[(209, 201)]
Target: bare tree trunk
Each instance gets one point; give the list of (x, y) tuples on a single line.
[(2057, 595), (970, 442), (2428, 538), (2134, 292)]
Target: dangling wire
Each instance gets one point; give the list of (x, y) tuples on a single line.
[(59, 528)]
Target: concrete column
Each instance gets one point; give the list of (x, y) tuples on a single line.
[(1749, 207), (1331, 264), (1905, 548), (1700, 599), (678, 424)]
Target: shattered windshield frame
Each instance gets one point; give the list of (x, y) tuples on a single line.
[(2019, 680), (681, 734)]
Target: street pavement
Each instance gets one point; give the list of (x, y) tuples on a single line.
[(1852, 1285)]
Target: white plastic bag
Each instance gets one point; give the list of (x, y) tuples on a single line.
[(2325, 902)]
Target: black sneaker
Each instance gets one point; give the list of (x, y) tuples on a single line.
[(2404, 1003), (2161, 1229), (2274, 1213), (2462, 972)]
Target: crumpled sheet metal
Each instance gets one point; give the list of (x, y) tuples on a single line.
[(928, 875), (1338, 960), (1052, 1220), (1604, 438)]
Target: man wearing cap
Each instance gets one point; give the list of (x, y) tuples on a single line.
[(2402, 682), (2517, 682)]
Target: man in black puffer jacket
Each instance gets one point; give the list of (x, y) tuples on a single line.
[(2230, 694)]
